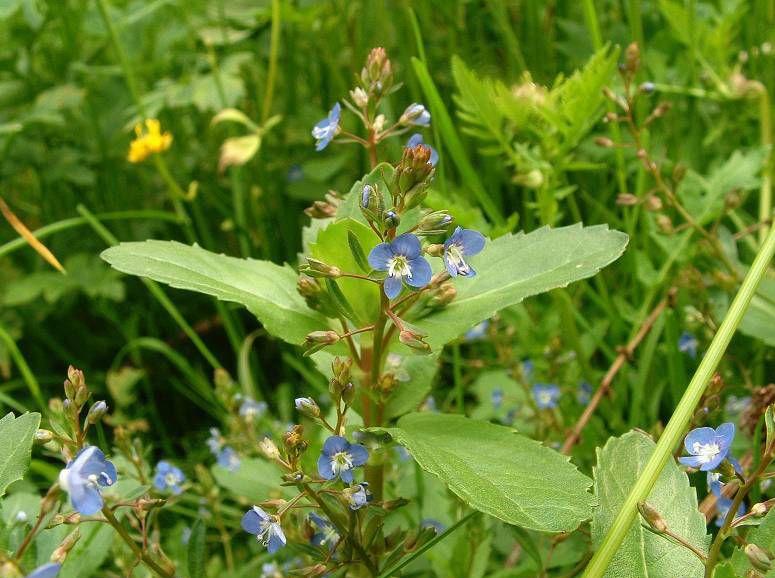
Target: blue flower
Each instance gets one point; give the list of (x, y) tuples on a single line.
[(497, 397), (307, 406), (415, 114), (527, 369), (215, 441), (429, 404), (708, 447), (403, 261), (416, 139), (83, 477), (326, 129), (228, 458), (584, 393), (50, 570), (463, 243), (265, 527), (339, 457), (168, 477), (432, 523), (722, 509), (326, 534), (357, 496), (687, 343), (478, 331), (715, 485), (546, 395), (271, 570), (251, 409)]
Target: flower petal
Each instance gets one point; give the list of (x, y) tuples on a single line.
[(421, 272), (701, 435), (335, 444), (346, 476), (85, 498), (691, 461), (251, 521), (359, 454), (324, 467), (725, 433), (380, 256), (407, 245), (392, 287), (276, 539), (414, 140), (471, 241), (50, 570)]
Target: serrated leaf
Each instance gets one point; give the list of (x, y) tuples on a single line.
[(266, 289), (497, 471), (644, 553), (16, 437), (517, 266)]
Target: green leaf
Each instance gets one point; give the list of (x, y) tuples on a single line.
[(357, 250), (266, 289), (256, 479), (197, 551), (644, 553), (758, 319), (763, 536), (498, 471), (517, 266), (16, 437)]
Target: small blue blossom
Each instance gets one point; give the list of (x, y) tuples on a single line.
[(432, 523), (584, 393), (306, 405), (736, 405), (327, 129), (271, 570), (402, 259), (715, 485), (722, 509), (463, 243), (546, 395), (339, 457), (403, 454), (429, 404), (215, 441), (708, 447), (168, 477), (478, 331), (497, 397), (50, 570), (326, 534), (687, 343), (83, 477), (295, 173), (415, 114), (228, 458), (357, 496), (265, 527), (251, 409), (416, 139)]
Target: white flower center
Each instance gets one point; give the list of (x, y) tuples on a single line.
[(706, 452), (455, 258), (398, 266), (341, 462), (171, 479), (545, 398), (265, 531)]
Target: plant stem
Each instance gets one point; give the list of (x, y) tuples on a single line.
[(683, 413), (23, 367), (274, 45), (146, 559), (765, 196)]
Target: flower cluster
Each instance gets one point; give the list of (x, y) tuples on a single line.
[(149, 141)]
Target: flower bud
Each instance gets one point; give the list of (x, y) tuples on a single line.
[(320, 210), (632, 58), (9, 570), (316, 268), (758, 557), (415, 114), (308, 287), (434, 223), (379, 123), (414, 341), (75, 376), (43, 436), (392, 220), (372, 202), (652, 517), (67, 544), (269, 448), (377, 75), (307, 406), (313, 571), (758, 509), (96, 411), (325, 337), (647, 87), (341, 368), (444, 295), (434, 250), (604, 141), (626, 199), (359, 96), (81, 395), (348, 392)]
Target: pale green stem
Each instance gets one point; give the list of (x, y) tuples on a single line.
[(682, 415), (765, 196), (274, 46), (24, 369)]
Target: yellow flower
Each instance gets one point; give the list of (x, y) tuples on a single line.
[(148, 142)]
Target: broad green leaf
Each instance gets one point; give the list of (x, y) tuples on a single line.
[(16, 437), (266, 289), (255, 479), (644, 553), (497, 471), (758, 319), (332, 247), (517, 266)]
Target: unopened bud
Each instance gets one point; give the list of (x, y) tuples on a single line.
[(75, 376), (445, 294), (665, 224), (758, 509), (632, 58), (313, 571), (81, 395), (434, 223), (43, 436), (10, 570), (653, 203), (341, 368), (320, 210), (415, 114), (379, 123), (96, 411), (64, 548), (647, 87), (626, 199), (391, 219), (307, 406), (652, 517), (414, 341), (269, 448), (325, 337), (308, 287), (758, 557), (317, 268), (533, 179), (434, 250), (604, 141), (359, 96)]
